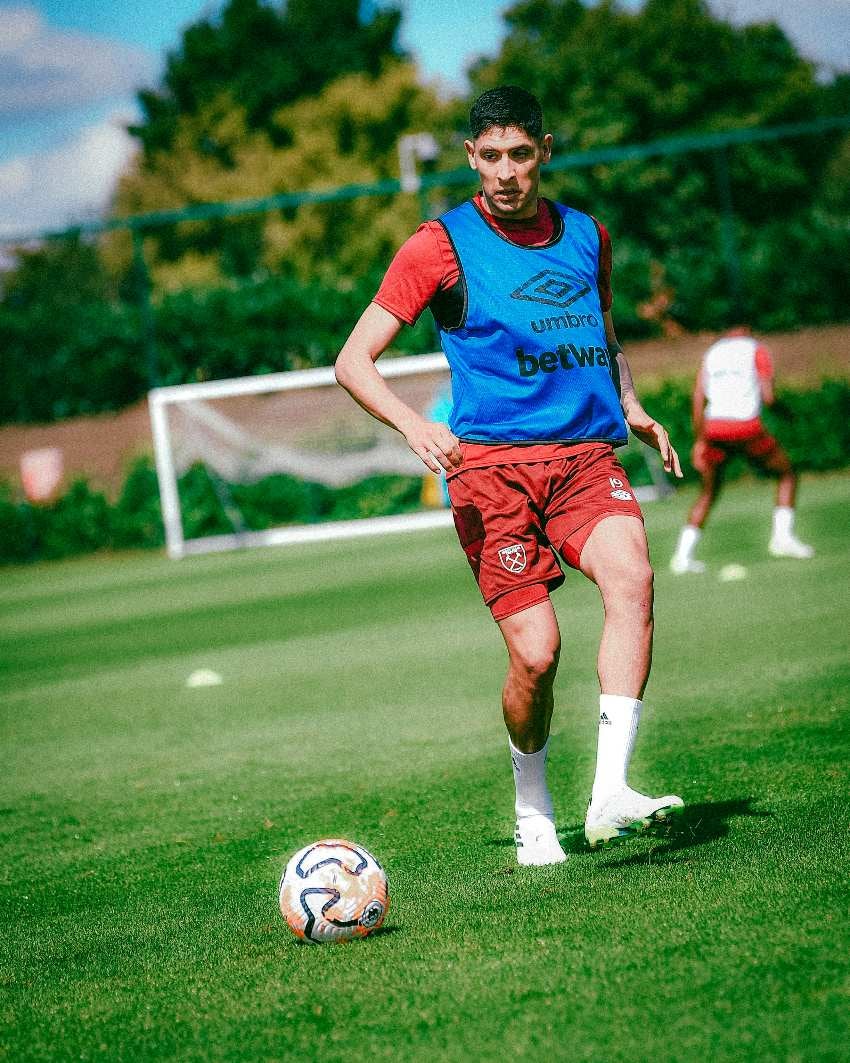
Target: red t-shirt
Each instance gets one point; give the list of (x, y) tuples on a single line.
[(426, 265)]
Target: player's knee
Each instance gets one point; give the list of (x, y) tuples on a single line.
[(536, 661), (631, 586)]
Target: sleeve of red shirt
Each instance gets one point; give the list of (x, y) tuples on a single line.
[(421, 267), (606, 296), (764, 363), (426, 264)]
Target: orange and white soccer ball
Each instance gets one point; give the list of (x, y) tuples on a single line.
[(333, 890)]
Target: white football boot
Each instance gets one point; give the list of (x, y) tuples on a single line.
[(790, 546), (679, 566), (537, 843), (626, 813)]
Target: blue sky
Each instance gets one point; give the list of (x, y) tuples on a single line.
[(69, 70)]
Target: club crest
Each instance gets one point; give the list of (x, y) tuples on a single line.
[(513, 557), (618, 491)]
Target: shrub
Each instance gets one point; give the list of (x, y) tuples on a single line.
[(814, 426)]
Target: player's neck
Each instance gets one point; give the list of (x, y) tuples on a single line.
[(501, 220)]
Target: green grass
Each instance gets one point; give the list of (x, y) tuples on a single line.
[(144, 825)]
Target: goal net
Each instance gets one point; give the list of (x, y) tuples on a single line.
[(295, 446), (288, 457)]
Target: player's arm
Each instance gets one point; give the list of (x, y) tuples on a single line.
[(641, 424), (765, 373), (355, 371), (698, 405)]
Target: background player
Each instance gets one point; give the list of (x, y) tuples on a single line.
[(735, 379), (520, 289)]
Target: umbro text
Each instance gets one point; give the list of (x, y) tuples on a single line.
[(546, 324)]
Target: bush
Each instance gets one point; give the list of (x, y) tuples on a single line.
[(136, 520), (89, 356), (814, 427)]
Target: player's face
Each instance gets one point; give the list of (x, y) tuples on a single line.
[(508, 162)]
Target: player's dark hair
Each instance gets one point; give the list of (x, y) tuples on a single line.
[(506, 105)]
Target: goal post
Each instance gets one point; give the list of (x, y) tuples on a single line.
[(303, 429), (298, 423)]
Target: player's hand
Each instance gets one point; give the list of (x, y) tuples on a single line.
[(655, 435), (436, 445)]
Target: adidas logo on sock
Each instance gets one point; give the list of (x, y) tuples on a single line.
[(604, 719)]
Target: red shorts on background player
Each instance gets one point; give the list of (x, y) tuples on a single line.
[(519, 287)]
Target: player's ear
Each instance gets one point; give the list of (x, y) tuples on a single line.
[(470, 154), (547, 147)]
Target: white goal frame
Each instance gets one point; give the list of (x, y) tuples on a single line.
[(178, 546)]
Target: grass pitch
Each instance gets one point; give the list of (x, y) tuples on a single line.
[(144, 824)]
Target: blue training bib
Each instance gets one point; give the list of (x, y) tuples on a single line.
[(529, 360)]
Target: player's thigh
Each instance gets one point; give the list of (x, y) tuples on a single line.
[(708, 459), (533, 638), (769, 456), (616, 557), (499, 530), (587, 489)]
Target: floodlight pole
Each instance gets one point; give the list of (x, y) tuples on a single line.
[(415, 147)]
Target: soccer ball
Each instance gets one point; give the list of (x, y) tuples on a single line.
[(333, 890)]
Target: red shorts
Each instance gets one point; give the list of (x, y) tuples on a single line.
[(511, 520), (709, 453)]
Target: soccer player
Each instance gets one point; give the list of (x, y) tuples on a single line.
[(735, 379), (519, 287)]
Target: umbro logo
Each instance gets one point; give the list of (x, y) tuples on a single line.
[(552, 288), (604, 719)]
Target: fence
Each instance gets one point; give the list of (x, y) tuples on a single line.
[(717, 145)]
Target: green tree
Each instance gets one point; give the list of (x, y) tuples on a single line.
[(264, 57), (347, 134), (610, 76), (70, 344)]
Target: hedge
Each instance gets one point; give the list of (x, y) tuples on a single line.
[(813, 425)]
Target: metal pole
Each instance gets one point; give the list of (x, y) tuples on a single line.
[(143, 294), (728, 235), (166, 474)]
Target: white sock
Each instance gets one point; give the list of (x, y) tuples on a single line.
[(689, 536), (783, 522), (619, 717), (532, 793)]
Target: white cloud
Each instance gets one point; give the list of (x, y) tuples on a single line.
[(43, 68), (66, 185)]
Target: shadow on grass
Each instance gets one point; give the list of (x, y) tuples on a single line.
[(382, 931), (696, 825)]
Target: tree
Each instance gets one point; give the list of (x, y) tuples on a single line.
[(70, 345), (264, 57), (608, 76), (347, 134)]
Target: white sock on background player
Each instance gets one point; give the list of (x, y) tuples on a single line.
[(683, 558), (783, 541), (536, 840), (783, 521)]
